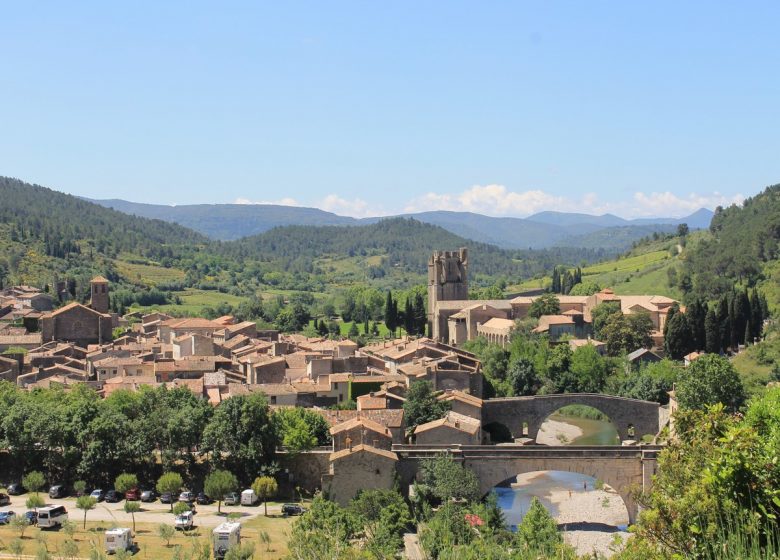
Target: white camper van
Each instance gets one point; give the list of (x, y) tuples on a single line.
[(118, 539), (226, 536), (248, 497), (52, 516)]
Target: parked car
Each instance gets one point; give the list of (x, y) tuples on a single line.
[(148, 496), (15, 489), (231, 499), (32, 517), (292, 509), (166, 498), (98, 494), (184, 521), (187, 497), (5, 500), (58, 491), (5, 517), (112, 496), (133, 495), (203, 499)]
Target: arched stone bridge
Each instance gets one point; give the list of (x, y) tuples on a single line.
[(627, 469), (513, 412)]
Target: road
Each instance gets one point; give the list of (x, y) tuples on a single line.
[(206, 516)]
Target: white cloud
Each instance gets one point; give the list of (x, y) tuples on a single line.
[(497, 200), (282, 202), (357, 208), (669, 204)]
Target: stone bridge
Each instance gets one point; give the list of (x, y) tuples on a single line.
[(513, 412), (627, 469)]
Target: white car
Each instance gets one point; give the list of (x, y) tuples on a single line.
[(184, 521)]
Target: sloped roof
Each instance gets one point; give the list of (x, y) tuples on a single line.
[(363, 449), (452, 420), (358, 422)]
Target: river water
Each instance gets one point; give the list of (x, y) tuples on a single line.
[(515, 500)]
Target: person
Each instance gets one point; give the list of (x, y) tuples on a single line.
[(570, 494), (584, 485)]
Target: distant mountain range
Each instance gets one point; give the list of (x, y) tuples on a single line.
[(539, 231)]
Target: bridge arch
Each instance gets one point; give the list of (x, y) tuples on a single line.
[(630, 416), (626, 469), (613, 439), (528, 484)]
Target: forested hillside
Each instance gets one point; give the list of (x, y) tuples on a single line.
[(743, 246), (47, 236)]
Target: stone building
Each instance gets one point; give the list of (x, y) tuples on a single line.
[(447, 280), (362, 466), (76, 323)]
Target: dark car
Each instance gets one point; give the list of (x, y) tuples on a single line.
[(133, 494), (58, 491), (5, 517), (112, 496), (292, 509), (166, 498), (203, 499), (148, 496), (15, 489), (5, 500), (32, 517)]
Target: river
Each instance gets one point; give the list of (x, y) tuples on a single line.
[(594, 432)]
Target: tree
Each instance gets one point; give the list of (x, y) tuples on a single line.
[(125, 482), (34, 501), (265, 487), (546, 304), (181, 507), (85, 503), (522, 375), (626, 333), (33, 481), (300, 429), (448, 479), (712, 333), (353, 331), (170, 482), (19, 523), (384, 515), (682, 230), (588, 370), (219, 483), (711, 379), (678, 339), (241, 435), (80, 487), (421, 405), (132, 508), (601, 314), (538, 531), (166, 533)]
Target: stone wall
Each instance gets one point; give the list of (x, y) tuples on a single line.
[(307, 468), (357, 471)]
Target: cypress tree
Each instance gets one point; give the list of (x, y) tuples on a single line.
[(756, 315), (712, 333), (408, 316), (677, 342), (420, 318), (724, 323), (556, 281), (391, 313)]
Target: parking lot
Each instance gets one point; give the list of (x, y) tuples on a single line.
[(155, 512)]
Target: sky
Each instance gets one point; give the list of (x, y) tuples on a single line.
[(376, 108)]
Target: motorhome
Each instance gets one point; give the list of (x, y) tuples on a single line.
[(52, 516), (118, 539), (226, 536), (248, 497)]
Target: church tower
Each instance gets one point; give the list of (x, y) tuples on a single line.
[(447, 281), (99, 294)]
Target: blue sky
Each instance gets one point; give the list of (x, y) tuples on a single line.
[(504, 108)]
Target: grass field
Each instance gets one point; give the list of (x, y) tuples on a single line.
[(193, 301), (148, 274), (628, 264), (151, 546)]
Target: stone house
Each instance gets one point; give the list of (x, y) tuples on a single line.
[(454, 428), (360, 431), (77, 323), (192, 344), (352, 470)]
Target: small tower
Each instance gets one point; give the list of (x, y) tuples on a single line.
[(447, 281), (99, 294)]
